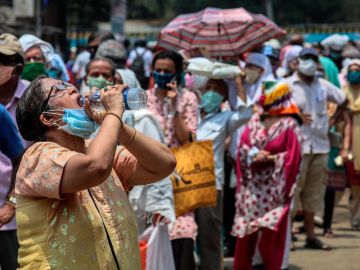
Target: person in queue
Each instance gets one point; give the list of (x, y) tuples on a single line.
[(290, 61), (41, 59), (70, 192), (11, 89), (217, 125), (100, 72), (311, 95), (12, 147), (88, 53), (113, 50), (257, 69), (351, 154), (176, 109), (153, 203), (268, 161)]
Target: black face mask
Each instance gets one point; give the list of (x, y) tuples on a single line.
[(335, 55)]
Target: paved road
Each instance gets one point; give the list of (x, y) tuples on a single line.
[(345, 254), (346, 247)]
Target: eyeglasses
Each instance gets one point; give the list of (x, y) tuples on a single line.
[(34, 59), (60, 91)]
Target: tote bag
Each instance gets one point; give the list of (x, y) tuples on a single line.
[(194, 177)]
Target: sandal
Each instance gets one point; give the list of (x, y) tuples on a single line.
[(328, 233), (315, 243)]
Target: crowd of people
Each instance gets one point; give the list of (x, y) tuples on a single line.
[(83, 184)]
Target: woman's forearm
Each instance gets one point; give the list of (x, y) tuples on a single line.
[(153, 156), (181, 130), (94, 166), (103, 146), (347, 130)]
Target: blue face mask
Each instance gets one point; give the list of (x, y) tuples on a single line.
[(353, 77), (211, 101), (162, 79), (78, 123), (53, 73)]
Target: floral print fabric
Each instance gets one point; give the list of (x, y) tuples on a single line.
[(70, 231), (187, 105), (264, 190)]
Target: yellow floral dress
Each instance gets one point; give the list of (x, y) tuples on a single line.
[(89, 229)]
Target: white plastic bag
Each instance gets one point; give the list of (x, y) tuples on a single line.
[(159, 254)]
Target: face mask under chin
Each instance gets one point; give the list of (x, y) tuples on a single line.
[(77, 122)]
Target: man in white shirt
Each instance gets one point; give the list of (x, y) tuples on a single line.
[(146, 55), (311, 95)]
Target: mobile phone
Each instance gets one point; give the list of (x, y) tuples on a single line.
[(172, 80)]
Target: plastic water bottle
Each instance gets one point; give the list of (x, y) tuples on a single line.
[(134, 99)]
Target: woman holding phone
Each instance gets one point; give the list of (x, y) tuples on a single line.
[(177, 111)]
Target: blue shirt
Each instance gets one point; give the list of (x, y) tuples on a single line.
[(10, 142), (217, 127)]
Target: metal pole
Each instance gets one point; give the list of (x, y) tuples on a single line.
[(118, 17), (38, 18), (269, 9)]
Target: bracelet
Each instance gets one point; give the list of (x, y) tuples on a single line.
[(131, 139), (118, 117)]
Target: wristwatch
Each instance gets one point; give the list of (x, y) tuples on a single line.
[(11, 199)]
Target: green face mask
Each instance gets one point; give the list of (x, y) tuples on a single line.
[(98, 82), (32, 70), (211, 101)]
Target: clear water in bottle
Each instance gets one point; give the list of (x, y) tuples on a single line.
[(134, 99)]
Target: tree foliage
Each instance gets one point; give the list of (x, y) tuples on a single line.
[(286, 12)]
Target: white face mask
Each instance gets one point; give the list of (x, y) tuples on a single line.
[(251, 76), (307, 67)]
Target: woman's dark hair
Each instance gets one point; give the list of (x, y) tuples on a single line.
[(176, 58), (29, 109)]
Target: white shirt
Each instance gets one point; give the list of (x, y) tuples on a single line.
[(147, 57), (80, 63), (312, 99)]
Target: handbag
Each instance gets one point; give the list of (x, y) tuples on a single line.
[(194, 177)]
